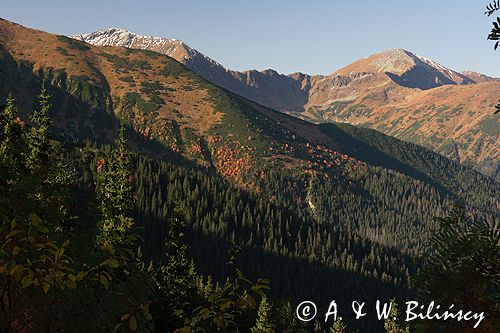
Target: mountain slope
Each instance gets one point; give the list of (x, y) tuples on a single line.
[(414, 99), (364, 92), (406, 69), (454, 118), (268, 87)]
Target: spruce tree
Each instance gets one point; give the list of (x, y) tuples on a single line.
[(9, 127), (177, 270), (11, 145), (393, 323), (115, 194), (176, 279), (338, 327), (38, 137), (263, 323), (286, 320)]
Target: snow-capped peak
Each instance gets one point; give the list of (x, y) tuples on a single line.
[(168, 46), (122, 37), (117, 37)]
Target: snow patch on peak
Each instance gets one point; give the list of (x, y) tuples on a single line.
[(434, 64), (121, 37), (458, 78), (168, 46)]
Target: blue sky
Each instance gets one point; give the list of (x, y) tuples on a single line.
[(314, 37)]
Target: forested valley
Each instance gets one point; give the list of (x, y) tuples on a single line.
[(99, 238)]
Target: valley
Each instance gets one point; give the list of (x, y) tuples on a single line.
[(321, 207)]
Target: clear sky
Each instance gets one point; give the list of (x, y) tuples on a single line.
[(314, 37)]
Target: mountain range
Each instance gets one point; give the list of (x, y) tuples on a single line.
[(175, 113), (396, 92)]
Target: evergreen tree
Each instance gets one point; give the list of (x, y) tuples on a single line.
[(9, 127), (11, 146), (178, 270), (263, 323), (287, 322), (119, 242), (176, 279), (38, 137), (230, 307), (338, 327), (393, 323), (115, 194)]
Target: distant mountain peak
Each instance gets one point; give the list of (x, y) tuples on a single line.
[(395, 52), (394, 60), (115, 36), (478, 77), (121, 37), (407, 69)]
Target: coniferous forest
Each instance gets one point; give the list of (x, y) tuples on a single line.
[(98, 238)]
